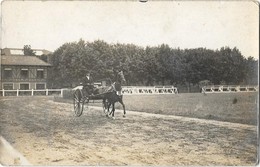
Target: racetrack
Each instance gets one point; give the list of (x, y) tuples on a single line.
[(47, 133)]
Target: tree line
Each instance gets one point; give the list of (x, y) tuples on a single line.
[(148, 66)]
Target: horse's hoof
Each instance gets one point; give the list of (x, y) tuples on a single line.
[(124, 116), (113, 118)]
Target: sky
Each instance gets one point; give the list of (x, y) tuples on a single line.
[(180, 24)]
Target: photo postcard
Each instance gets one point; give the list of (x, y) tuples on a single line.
[(129, 83)]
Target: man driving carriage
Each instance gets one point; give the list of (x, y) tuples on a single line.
[(88, 86)]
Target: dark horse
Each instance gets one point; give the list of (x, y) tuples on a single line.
[(109, 95)]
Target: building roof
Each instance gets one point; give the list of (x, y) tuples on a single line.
[(18, 51), (23, 60)]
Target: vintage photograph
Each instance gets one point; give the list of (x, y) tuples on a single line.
[(129, 83)]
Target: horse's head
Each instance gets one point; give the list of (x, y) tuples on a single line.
[(117, 85), (121, 77)]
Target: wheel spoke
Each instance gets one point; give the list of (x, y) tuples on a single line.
[(76, 98), (76, 107), (78, 103)]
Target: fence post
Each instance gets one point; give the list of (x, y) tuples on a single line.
[(176, 90), (61, 93), (237, 88), (255, 88), (3, 92), (17, 93), (32, 92), (203, 90), (47, 92)]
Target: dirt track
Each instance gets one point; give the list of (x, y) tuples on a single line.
[(47, 133)]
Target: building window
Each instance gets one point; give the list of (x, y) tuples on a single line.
[(24, 73), (8, 86), (40, 86), (8, 73), (24, 86), (40, 73)]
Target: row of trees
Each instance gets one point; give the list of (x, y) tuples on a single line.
[(160, 65)]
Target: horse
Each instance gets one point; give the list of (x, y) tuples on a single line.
[(109, 95), (112, 97)]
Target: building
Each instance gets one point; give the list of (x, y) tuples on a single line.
[(22, 72)]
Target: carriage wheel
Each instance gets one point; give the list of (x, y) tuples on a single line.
[(78, 102)]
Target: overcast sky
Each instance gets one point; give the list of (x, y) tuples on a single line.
[(49, 24)]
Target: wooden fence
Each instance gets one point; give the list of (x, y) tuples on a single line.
[(229, 88), (134, 90), (32, 92), (138, 90)]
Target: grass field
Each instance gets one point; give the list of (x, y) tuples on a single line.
[(230, 107)]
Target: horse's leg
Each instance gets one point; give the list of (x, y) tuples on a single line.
[(104, 104), (108, 107), (122, 103), (113, 110)]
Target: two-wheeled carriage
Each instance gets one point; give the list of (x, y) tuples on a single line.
[(81, 100), (108, 94)]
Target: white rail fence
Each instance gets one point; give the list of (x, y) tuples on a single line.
[(135, 90), (126, 90), (32, 92), (229, 88), (138, 90)]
